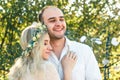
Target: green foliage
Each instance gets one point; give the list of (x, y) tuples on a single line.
[(90, 19)]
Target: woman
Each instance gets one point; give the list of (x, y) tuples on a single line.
[(34, 64)]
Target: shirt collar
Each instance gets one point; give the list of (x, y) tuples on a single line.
[(65, 49), (68, 43)]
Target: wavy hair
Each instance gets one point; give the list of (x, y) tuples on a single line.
[(31, 64)]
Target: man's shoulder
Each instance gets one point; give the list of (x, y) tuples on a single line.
[(75, 44), (79, 44)]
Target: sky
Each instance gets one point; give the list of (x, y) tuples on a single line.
[(109, 12)]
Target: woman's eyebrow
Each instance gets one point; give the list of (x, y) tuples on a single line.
[(46, 40)]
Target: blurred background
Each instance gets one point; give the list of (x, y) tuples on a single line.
[(92, 22)]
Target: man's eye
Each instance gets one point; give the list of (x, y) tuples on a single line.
[(52, 21), (61, 19)]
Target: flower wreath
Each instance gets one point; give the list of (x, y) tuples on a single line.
[(40, 28)]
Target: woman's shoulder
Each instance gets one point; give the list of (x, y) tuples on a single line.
[(49, 64)]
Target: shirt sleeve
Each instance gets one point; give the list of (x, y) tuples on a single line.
[(92, 69)]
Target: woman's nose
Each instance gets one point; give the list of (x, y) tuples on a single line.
[(50, 47)]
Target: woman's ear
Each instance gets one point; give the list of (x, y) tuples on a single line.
[(35, 44)]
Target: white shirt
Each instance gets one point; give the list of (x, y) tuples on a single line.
[(86, 67)]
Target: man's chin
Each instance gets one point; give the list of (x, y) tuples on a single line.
[(59, 36)]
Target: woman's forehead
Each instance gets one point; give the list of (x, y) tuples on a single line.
[(46, 36)]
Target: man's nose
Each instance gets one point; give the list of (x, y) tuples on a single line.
[(58, 22)]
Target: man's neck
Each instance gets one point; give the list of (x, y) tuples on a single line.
[(57, 46)]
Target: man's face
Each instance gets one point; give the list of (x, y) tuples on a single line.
[(54, 20)]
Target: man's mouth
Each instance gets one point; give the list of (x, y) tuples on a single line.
[(58, 29)]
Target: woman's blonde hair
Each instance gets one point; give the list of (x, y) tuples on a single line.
[(33, 62)]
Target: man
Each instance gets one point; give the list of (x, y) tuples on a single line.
[(86, 67)]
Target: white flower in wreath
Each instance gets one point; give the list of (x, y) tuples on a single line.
[(34, 38), (38, 35), (29, 45)]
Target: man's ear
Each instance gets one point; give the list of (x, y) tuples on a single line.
[(42, 22)]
